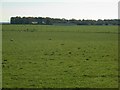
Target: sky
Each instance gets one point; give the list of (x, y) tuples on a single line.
[(68, 9)]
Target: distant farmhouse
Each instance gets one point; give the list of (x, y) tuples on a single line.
[(58, 21)]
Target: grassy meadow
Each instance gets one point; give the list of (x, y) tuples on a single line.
[(43, 56)]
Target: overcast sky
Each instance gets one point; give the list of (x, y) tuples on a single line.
[(77, 9)]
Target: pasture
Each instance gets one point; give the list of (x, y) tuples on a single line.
[(43, 56)]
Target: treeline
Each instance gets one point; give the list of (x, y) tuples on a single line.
[(52, 21)]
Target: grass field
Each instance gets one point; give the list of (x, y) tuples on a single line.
[(36, 56)]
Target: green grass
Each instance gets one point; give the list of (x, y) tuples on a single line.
[(36, 56), (0, 56)]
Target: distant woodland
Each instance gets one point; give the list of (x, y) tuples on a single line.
[(63, 21)]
